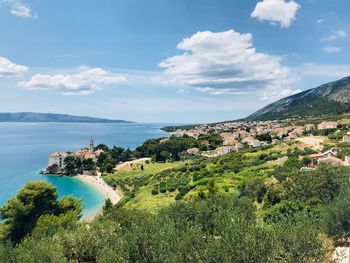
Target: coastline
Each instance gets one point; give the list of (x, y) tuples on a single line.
[(101, 186)]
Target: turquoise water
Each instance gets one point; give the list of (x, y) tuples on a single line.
[(24, 149)]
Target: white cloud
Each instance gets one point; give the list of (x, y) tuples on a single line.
[(340, 34), (17, 8), (20, 9), (214, 91), (222, 63), (8, 68), (320, 21), (86, 81), (280, 11), (332, 49)]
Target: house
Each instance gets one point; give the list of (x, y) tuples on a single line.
[(163, 140), (326, 157), (223, 150), (193, 151), (57, 158), (229, 138), (205, 143), (309, 127), (327, 125), (253, 143), (346, 138)]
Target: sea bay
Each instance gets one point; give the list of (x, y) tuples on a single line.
[(24, 149)]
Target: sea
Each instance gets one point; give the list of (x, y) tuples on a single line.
[(24, 150)]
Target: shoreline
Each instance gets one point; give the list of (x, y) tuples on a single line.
[(97, 183), (101, 186)]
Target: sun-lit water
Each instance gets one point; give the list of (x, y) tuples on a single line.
[(24, 149)]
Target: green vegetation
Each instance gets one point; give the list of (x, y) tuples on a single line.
[(160, 150), (255, 205), (161, 184), (211, 230), (35, 200)]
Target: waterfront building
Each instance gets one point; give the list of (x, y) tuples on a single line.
[(57, 158)]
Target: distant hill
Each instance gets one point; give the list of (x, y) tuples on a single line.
[(51, 117), (328, 99)]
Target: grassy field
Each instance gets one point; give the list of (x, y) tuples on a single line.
[(188, 179), (160, 184), (143, 198), (149, 169)]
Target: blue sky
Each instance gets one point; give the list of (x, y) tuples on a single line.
[(167, 60)]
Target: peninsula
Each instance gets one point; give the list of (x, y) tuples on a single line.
[(52, 117), (82, 165)]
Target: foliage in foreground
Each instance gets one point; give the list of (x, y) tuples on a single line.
[(34, 201), (212, 230)]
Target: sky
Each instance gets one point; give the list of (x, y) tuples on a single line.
[(167, 61)]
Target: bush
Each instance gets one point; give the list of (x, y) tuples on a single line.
[(155, 191), (337, 217), (162, 187), (253, 188)]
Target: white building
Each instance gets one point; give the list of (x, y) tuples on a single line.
[(327, 125), (58, 159)]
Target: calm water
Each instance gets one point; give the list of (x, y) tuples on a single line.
[(24, 149)]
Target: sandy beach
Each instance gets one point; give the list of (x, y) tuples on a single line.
[(100, 185)]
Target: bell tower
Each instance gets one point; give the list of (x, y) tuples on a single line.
[(91, 146)]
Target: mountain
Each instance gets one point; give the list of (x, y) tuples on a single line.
[(51, 117), (331, 98)]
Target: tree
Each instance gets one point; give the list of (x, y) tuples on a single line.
[(264, 137), (323, 184), (34, 200), (69, 203), (337, 217), (73, 165), (271, 198), (107, 206), (40, 250), (53, 169), (108, 167), (88, 165), (116, 152), (102, 147), (299, 241), (253, 188), (7, 254)]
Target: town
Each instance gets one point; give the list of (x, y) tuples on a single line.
[(240, 135), (235, 136)]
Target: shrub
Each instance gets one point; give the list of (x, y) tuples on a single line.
[(155, 191)]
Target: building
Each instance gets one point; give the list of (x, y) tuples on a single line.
[(309, 127), (346, 138), (253, 143), (326, 157), (193, 151), (57, 158), (327, 125), (91, 146)]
